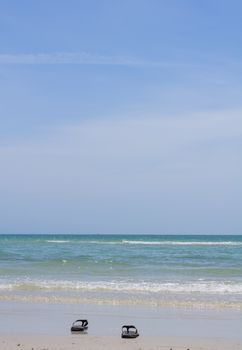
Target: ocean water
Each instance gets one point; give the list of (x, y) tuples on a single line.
[(188, 271)]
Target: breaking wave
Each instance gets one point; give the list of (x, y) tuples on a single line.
[(200, 243), (202, 287)]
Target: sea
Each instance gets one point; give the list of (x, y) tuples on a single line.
[(188, 271)]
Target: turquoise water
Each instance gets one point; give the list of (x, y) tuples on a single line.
[(204, 271)]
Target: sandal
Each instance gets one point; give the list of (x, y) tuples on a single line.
[(129, 332), (79, 326)]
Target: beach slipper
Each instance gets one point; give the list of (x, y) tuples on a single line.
[(129, 332), (79, 326)]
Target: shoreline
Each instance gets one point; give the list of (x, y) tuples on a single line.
[(179, 293), (114, 300)]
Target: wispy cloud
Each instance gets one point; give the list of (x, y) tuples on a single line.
[(92, 175), (128, 136), (85, 58), (67, 58)]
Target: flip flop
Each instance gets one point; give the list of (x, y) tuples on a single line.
[(129, 332), (79, 326)]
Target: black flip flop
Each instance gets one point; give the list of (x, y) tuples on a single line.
[(129, 332), (79, 326)]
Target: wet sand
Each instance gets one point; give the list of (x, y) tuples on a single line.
[(30, 326)]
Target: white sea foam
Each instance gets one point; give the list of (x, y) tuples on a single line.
[(199, 287), (200, 243), (153, 243), (154, 302), (57, 241)]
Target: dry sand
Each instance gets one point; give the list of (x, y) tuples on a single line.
[(74, 342)]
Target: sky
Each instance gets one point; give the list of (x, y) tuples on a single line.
[(121, 116)]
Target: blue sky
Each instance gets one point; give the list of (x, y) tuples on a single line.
[(121, 116)]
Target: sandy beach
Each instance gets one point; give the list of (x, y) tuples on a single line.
[(11, 342), (179, 292), (29, 326), (120, 175)]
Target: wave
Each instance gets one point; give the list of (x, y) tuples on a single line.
[(57, 241), (199, 287), (224, 243), (152, 243), (82, 241)]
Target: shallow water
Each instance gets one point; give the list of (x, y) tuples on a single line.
[(191, 271)]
